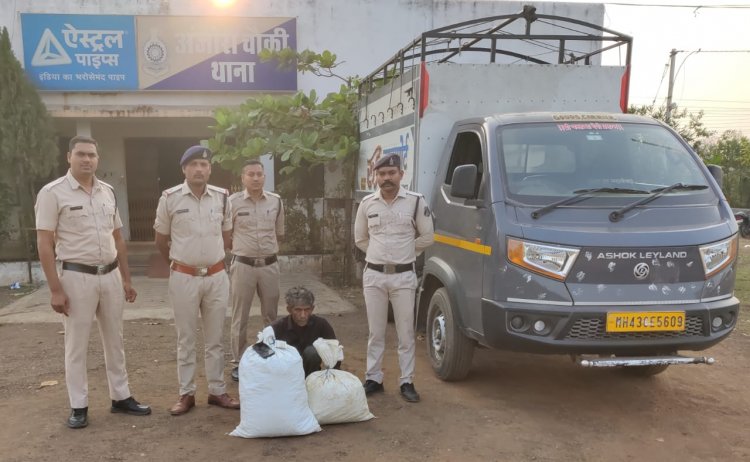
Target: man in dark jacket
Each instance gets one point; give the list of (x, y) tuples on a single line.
[(301, 328)]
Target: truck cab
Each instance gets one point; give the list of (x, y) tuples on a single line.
[(576, 233)]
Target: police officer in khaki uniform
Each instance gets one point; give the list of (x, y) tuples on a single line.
[(77, 221), (258, 226), (196, 218), (392, 227)]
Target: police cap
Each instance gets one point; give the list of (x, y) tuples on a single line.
[(195, 152), (391, 160)]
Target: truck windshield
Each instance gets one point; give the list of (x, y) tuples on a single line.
[(563, 159)]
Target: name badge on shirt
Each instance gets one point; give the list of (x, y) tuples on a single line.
[(243, 214), (79, 207), (183, 211)]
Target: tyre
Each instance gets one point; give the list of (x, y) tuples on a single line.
[(450, 350), (645, 371), (745, 230)]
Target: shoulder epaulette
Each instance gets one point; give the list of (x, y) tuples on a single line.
[(414, 193), (172, 190), (235, 195), (270, 193), (218, 189), (368, 197), (52, 184)]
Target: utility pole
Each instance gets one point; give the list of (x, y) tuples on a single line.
[(668, 114)]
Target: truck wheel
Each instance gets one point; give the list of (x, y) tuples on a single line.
[(645, 371), (450, 350)]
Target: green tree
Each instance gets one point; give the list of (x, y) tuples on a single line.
[(732, 152), (298, 129), (27, 137), (689, 125)]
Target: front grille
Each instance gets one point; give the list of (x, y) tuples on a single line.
[(595, 329)]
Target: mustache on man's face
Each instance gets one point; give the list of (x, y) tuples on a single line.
[(388, 183)]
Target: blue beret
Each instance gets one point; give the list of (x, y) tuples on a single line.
[(390, 160), (195, 152)]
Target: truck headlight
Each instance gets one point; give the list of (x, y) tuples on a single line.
[(716, 257), (549, 260)]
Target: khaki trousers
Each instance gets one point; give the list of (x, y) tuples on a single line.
[(94, 296), (246, 280), (207, 296), (400, 289)]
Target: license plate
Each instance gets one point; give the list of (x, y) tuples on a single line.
[(645, 321)]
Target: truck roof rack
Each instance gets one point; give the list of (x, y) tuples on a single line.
[(487, 35)]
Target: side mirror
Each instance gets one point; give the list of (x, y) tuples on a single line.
[(717, 173), (464, 181)]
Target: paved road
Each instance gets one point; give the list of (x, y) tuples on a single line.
[(153, 301)]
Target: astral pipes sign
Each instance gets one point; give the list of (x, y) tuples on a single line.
[(96, 52)]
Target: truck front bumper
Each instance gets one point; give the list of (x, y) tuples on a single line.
[(583, 330)]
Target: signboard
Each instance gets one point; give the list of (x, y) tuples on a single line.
[(94, 52), (194, 53), (75, 52)]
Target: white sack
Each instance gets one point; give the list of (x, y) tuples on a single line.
[(335, 396), (273, 398)]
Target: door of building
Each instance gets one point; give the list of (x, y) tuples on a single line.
[(153, 165)]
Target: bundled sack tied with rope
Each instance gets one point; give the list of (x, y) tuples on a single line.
[(273, 398), (335, 396)]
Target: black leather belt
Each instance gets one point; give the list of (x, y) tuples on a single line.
[(257, 262), (390, 269), (90, 269)]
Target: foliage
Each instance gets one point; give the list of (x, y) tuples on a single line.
[(732, 152), (298, 129), (689, 125), (27, 137)]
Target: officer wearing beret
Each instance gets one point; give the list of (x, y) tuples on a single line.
[(392, 227), (78, 223), (193, 225), (257, 228)]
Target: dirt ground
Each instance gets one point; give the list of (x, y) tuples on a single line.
[(512, 407)]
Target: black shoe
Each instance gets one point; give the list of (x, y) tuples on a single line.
[(372, 386), (130, 406), (236, 374), (78, 418), (409, 393)]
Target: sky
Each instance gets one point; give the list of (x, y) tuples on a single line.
[(715, 79)]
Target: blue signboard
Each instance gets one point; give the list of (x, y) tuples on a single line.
[(80, 52)]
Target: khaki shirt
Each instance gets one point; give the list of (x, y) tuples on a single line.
[(194, 224), (256, 225), (389, 233), (83, 223)]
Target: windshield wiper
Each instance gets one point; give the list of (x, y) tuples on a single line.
[(581, 194), (649, 143), (655, 193)]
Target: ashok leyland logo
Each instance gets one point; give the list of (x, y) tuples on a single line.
[(641, 270), (49, 52)]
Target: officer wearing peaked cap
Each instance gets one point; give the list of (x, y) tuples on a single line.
[(392, 227), (193, 226)]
